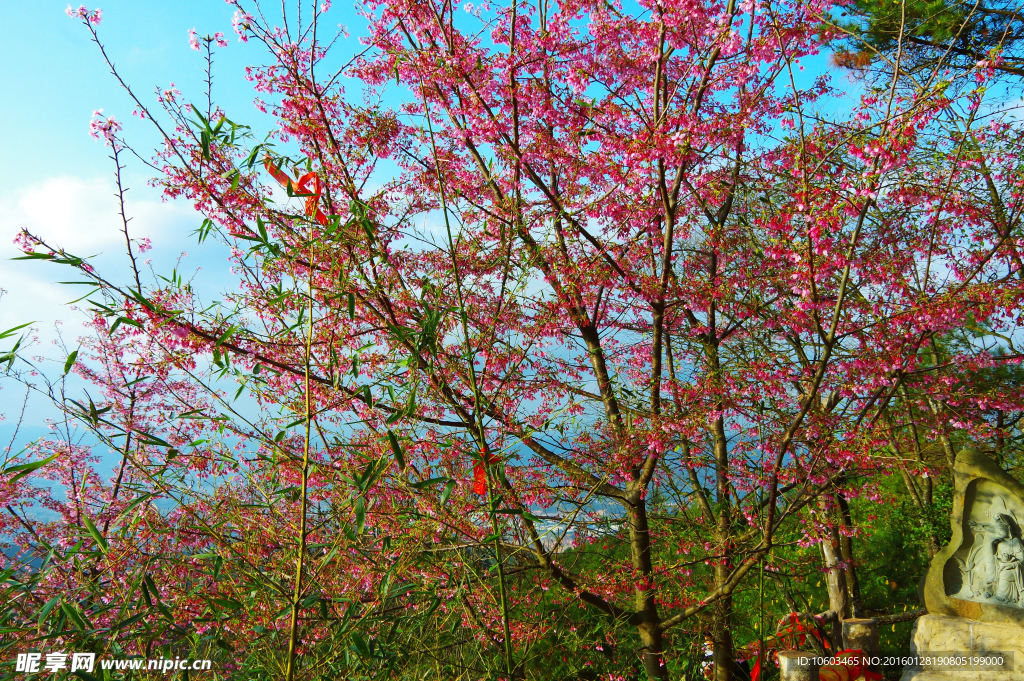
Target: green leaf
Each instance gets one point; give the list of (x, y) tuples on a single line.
[(145, 594), (138, 500), (86, 676), (128, 622), (429, 483), (122, 320), (360, 515), (448, 488), (396, 449), (10, 332), (153, 440), (45, 611), (75, 616), (36, 256), (198, 113), (153, 591), (228, 603), (95, 533), (26, 468), (401, 590), (351, 306), (70, 362), (204, 229)]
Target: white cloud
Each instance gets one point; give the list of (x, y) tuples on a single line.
[(81, 215)]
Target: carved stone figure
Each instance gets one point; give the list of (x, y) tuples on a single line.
[(994, 569), (979, 571), (1010, 556)]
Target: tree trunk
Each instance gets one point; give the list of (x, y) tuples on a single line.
[(835, 579), (650, 634), (721, 613), (653, 641), (721, 630), (846, 553)]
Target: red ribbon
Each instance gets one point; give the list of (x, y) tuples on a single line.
[(301, 186), (480, 473)]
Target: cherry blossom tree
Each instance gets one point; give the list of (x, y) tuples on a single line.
[(611, 296)]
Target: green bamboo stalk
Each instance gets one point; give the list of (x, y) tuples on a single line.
[(293, 634)]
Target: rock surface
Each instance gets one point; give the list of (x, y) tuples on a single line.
[(942, 635)]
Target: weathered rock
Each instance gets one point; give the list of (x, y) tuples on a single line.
[(941, 636), (797, 665), (861, 634)]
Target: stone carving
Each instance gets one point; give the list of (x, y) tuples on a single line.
[(993, 571), (974, 589), (979, 575)]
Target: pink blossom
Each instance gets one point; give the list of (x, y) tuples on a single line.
[(240, 23), (193, 39), (24, 241), (104, 126), (83, 13)]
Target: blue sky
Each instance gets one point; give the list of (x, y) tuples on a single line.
[(54, 77), (57, 181)]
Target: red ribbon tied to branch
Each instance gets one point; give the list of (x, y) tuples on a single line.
[(309, 185), (480, 473)]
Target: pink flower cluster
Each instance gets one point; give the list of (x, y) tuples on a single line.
[(25, 242), (83, 13), (105, 127), (240, 23)]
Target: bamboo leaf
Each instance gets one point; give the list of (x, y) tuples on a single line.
[(70, 362), (396, 448), (45, 611), (75, 616), (360, 515), (24, 469), (447, 493), (228, 603), (95, 533), (128, 622), (428, 483), (10, 332)]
